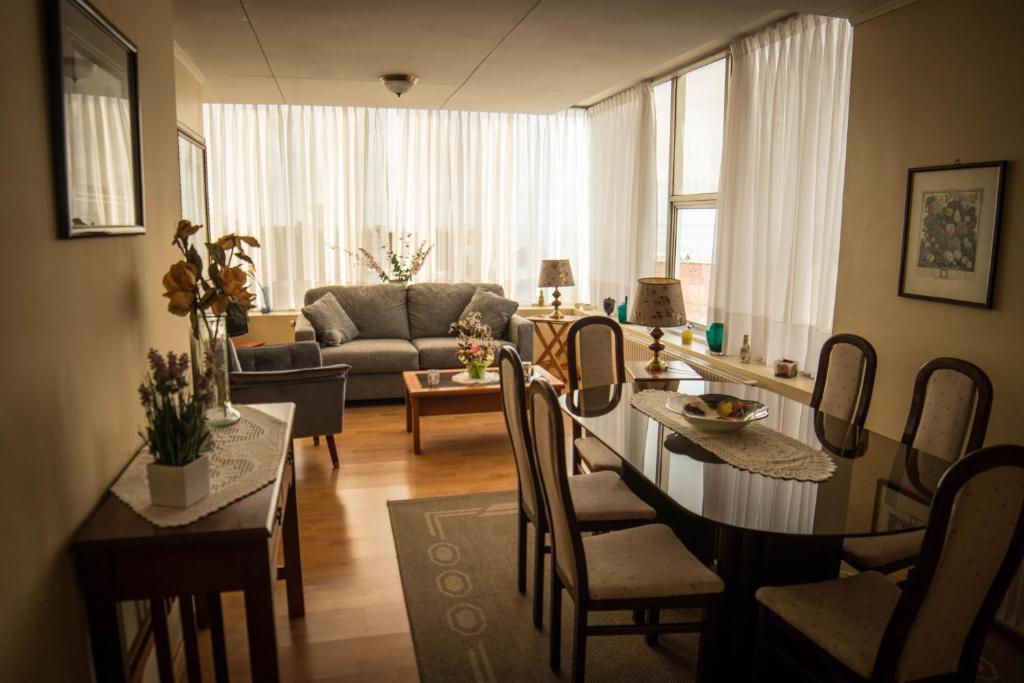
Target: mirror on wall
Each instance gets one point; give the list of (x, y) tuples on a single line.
[(192, 177)]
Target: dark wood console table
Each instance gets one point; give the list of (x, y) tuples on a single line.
[(120, 556)]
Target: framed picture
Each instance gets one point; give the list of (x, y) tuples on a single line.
[(951, 233), (96, 125), (192, 177)]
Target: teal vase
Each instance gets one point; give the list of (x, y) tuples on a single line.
[(715, 337), (623, 309)]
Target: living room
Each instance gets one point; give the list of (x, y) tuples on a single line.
[(749, 273)]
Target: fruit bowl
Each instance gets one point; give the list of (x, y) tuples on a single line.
[(717, 412)]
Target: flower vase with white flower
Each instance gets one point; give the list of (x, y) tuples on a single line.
[(476, 344)]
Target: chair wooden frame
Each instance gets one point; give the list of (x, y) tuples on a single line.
[(540, 523), (778, 639), (618, 359), (867, 382), (645, 610), (982, 404)]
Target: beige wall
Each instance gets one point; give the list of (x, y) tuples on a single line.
[(188, 98), (80, 316), (935, 81)]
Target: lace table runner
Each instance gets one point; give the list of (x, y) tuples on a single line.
[(246, 457), (754, 448)]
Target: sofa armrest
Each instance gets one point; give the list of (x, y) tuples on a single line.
[(520, 333), (279, 357), (318, 395), (304, 329)]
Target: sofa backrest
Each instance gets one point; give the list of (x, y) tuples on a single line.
[(433, 306), (379, 311)]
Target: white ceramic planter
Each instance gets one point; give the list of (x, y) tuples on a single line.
[(179, 487)]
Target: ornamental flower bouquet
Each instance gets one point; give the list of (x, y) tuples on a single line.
[(399, 265), (476, 344)]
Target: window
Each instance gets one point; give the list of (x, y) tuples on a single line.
[(690, 120)]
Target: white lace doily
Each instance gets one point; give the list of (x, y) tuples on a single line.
[(490, 377), (754, 448), (245, 458)]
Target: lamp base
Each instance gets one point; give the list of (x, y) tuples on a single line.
[(656, 364), (556, 314)]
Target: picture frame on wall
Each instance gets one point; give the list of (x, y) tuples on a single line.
[(96, 123), (951, 233), (195, 205)]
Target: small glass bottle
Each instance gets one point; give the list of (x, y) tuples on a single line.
[(745, 349), (687, 334)]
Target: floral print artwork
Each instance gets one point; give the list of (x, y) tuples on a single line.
[(949, 232)]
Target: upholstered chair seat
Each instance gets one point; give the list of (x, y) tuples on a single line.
[(881, 552), (603, 497), (596, 456), (845, 618), (644, 562)]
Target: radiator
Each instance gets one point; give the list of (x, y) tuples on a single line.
[(634, 348), (1011, 614)]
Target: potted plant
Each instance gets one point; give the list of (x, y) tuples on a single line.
[(176, 433), (211, 296), (400, 265), (476, 344)]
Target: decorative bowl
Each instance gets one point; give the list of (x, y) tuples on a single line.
[(704, 414)]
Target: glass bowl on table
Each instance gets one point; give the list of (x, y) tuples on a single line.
[(717, 412)]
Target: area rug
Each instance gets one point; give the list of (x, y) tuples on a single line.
[(469, 623)]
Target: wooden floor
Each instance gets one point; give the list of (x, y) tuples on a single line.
[(355, 628)]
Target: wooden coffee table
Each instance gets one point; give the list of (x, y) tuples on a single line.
[(451, 398)]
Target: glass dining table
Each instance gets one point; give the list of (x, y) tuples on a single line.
[(757, 530)]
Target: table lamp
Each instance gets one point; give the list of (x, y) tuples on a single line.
[(658, 303), (555, 273)]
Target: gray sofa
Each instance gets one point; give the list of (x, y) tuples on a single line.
[(402, 328)]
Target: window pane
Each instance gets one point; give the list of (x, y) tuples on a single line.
[(663, 130), (695, 245), (702, 105)]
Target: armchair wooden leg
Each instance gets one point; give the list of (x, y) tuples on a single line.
[(316, 440), (333, 449)]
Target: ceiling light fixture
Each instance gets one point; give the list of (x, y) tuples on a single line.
[(398, 83)]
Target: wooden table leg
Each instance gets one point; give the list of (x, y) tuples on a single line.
[(217, 641), (161, 640), (190, 638), (259, 615), (292, 556), (415, 402), (108, 658)]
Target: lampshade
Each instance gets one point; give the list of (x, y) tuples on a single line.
[(658, 302), (555, 272)]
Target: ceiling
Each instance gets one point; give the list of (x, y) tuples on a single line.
[(485, 55)]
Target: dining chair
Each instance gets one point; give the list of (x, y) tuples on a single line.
[(865, 627), (846, 378), (645, 569), (595, 356), (604, 501), (949, 414)]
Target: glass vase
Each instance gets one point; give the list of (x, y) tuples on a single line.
[(477, 370), (715, 335), (209, 349)]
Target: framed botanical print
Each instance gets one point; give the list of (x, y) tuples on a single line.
[(951, 233), (96, 125)]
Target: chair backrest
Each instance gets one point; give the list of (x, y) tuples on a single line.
[(949, 409), (513, 403), (549, 456), (971, 551), (846, 378), (594, 349)]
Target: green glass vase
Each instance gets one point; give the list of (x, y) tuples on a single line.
[(477, 370)]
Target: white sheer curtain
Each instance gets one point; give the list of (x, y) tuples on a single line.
[(495, 193), (780, 202), (623, 193)]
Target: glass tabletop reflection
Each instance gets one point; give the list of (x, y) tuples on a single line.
[(880, 486)]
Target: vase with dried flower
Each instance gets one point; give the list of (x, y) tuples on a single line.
[(399, 265), (176, 433), (476, 345), (211, 296)]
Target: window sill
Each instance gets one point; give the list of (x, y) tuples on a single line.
[(799, 388)]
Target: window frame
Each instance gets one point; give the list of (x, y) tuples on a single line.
[(677, 116)]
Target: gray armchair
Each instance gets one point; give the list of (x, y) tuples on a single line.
[(293, 373)]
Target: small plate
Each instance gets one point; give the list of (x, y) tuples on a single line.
[(711, 421)]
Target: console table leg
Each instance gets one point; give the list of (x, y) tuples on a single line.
[(161, 640), (292, 556), (259, 617), (188, 632), (217, 641), (104, 621)]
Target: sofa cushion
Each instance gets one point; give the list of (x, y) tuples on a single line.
[(374, 356), (379, 311), (438, 353), (433, 306), (331, 323), (494, 310)]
